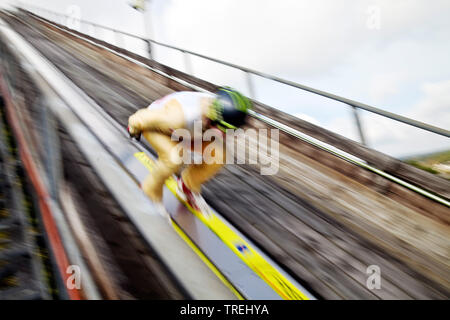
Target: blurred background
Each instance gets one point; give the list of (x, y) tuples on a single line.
[(393, 56), (359, 91)]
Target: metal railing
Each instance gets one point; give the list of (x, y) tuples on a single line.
[(249, 74)]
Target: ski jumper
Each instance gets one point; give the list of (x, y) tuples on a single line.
[(157, 122)]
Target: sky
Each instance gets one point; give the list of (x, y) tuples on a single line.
[(389, 54)]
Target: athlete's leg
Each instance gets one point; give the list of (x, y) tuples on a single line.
[(166, 165), (196, 174)]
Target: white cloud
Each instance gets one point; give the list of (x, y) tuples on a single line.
[(434, 106), (399, 139), (277, 37), (344, 126), (385, 85), (307, 118), (288, 37)]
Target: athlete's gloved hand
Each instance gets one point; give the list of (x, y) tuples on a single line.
[(134, 133), (132, 130)]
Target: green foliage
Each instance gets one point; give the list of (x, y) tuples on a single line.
[(419, 165)]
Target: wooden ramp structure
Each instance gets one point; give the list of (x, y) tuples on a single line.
[(321, 222)]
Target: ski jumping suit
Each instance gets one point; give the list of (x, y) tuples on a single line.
[(157, 122)]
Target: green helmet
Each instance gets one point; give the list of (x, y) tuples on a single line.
[(230, 108)]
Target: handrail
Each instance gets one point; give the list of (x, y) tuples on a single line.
[(352, 103), (351, 157)]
